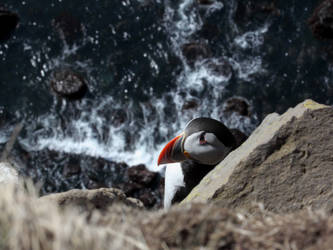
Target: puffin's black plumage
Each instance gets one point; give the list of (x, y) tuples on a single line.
[(193, 173)]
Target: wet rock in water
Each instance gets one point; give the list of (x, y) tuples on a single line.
[(205, 2), (69, 84), (220, 68), (195, 51), (190, 104), (285, 164), (88, 200), (68, 27), (321, 21), (238, 105), (8, 23)]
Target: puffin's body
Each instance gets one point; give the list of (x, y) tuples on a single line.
[(204, 143)]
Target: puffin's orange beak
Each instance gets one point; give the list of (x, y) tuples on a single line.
[(171, 152)]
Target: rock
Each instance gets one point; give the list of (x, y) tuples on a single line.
[(72, 168), (68, 27), (205, 2), (140, 174), (321, 21), (69, 84), (8, 174), (286, 164), (8, 23), (190, 104), (238, 105), (144, 185), (88, 200), (210, 226), (59, 172), (195, 51)]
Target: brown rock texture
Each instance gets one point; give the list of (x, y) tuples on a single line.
[(88, 200), (27, 222), (210, 226), (286, 164)]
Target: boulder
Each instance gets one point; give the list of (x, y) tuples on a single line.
[(142, 184), (286, 164), (69, 84), (88, 200), (321, 21)]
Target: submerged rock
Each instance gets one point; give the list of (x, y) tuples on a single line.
[(8, 23), (286, 164), (195, 51), (321, 21), (205, 2), (68, 27), (69, 84)]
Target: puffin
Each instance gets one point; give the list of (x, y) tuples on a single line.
[(203, 144)]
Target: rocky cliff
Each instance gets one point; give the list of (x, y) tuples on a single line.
[(273, 192)]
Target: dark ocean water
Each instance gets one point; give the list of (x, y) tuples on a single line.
[(131, 54)]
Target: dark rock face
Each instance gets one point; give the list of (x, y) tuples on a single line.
[(8, 23), (69, 27), (59, 172), (141, 183), (321, 21), (69, 84)]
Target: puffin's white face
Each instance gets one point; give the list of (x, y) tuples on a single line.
[(205, 148), (204, 140)]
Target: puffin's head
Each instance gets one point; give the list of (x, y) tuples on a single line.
[(203, 140)]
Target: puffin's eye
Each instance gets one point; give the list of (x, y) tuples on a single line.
[(202, 140)]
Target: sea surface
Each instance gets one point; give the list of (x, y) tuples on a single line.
[(142, 88)]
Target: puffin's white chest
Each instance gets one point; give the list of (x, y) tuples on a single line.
[(174, 179)]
